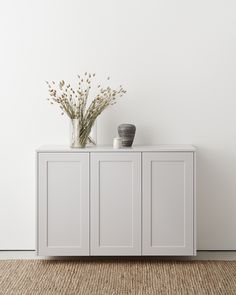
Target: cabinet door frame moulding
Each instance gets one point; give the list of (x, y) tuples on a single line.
[(95, 208), (189, 224), (42, 236)]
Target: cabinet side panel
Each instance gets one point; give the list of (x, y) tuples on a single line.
[(36, 204), (195, 203)]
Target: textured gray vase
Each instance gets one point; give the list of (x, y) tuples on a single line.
[(127, 133)]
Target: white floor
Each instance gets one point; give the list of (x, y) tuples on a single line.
[(201, 255)]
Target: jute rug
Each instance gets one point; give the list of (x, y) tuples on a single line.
[(101, 277)]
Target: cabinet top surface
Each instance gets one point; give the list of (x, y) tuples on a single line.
[(109, 148)]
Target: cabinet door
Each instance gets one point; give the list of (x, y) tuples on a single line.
[(116, 203), (63, 204), (168, 203)]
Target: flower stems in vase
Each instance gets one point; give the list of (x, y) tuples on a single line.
[(73, 103)]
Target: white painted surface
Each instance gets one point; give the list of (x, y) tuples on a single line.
[(109, 148), (63, 204), (168, 219), (115, 204), (176, 59), (103, 190)]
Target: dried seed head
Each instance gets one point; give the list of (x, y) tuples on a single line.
[(75, 107)]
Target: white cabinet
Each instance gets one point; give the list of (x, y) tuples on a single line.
[(168, 212), (101, 201), (115, 204), (63, 204)]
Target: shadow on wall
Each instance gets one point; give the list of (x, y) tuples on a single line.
[(144, 135)]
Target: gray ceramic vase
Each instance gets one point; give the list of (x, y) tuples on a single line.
[(127, 133)]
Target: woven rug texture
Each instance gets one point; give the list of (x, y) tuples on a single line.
[(117, 277)]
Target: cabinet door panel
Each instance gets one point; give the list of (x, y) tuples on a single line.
[(63, 199), (168, 203), (115, 203)]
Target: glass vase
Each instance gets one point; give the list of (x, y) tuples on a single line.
[(92, 139), (75, 133), (80, 138)]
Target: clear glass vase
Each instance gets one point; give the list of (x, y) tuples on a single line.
[(80, 138), (92, 139), (75, 133)]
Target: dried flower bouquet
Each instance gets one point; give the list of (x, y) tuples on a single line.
[(73, 102)]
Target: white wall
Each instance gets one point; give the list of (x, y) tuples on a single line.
[(177, 59)]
